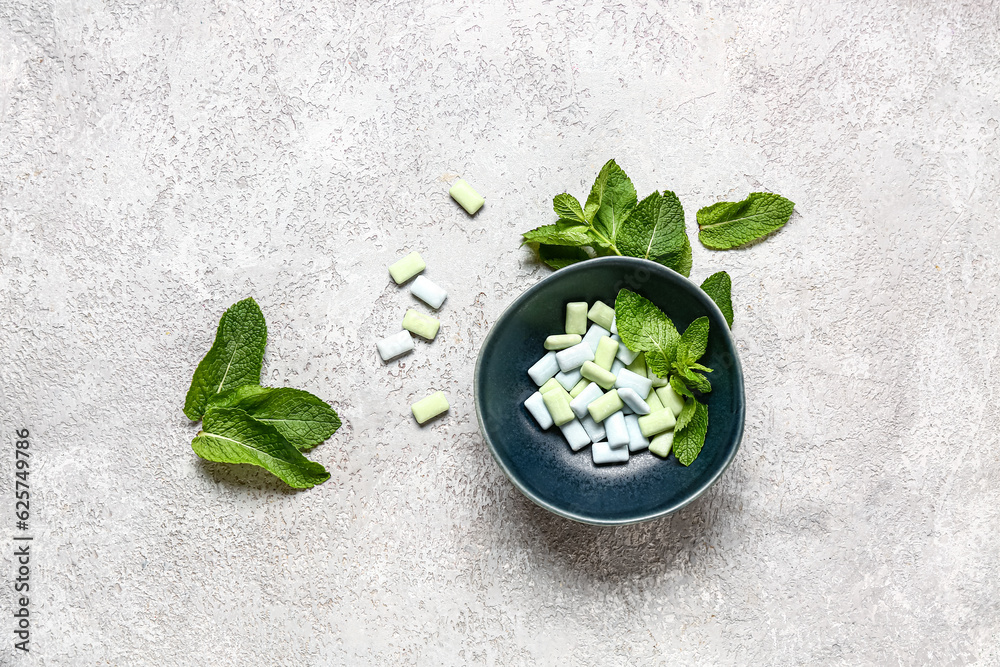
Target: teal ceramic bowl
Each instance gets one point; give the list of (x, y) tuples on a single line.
[(540, 463)]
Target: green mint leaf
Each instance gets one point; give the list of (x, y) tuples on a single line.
[(303, 419), (699, 367), (727, 225), (566, 223), (230, 435), (235, 358), (719, 286), (678, 385), (693, 342), (694, 381), (689, 440), (611, 200), (568, 208), (659, 361), (557, 235), (558, 256), (645, 328), (655, 230), (686, 413)]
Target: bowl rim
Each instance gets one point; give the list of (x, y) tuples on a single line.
[(701, 296)]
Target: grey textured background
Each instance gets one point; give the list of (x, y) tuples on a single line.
[(161, 160)]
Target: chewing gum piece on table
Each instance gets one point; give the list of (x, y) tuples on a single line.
[(407, 267), (392, 346), (430, 407), (428, 292), (420, 324), (468, 198)]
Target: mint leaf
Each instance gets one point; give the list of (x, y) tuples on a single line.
[(655, 230), (693, 380), (659, 362), (689, 440), (568, 208), (678, 385), (645, 328), (719, 286), (686, 413), (728, 225), (557, 256), (230, 435), (234, 359), (557, 235), (693, 342), (611, 200), (303, 419)]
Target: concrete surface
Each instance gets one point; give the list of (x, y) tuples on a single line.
[(161, 160)]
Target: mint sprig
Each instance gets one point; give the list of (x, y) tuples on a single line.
[(690, 349), (644, 327), (243, 422), (614, 222)]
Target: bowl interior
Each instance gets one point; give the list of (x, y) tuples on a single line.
[(540, 463)]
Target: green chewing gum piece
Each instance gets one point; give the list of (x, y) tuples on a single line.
[(420, 324), (602, 314), (605, 406), (604, 356), (670, 399), (604, 378), (661, 444), (407, 267), (576, 317), (557, 403), (562, 341), (656, 422), (549, 385), (430, 407), (468, 198)]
